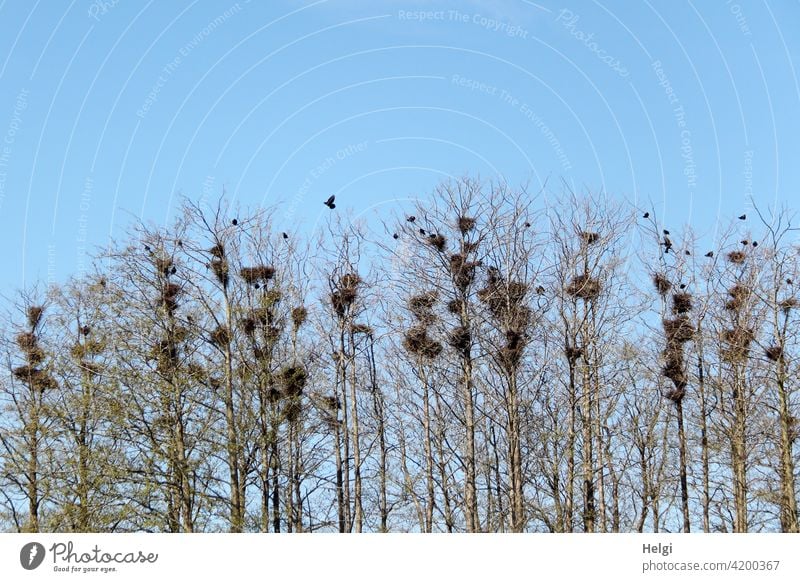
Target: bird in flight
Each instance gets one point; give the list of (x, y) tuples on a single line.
[(329, 202), (743, 217)]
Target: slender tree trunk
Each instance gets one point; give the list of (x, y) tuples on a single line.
[(682, 456), (358, 510), (701, 387)]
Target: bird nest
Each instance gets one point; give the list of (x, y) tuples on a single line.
[(788, 304), (739, 295), (299, 316), (585, 287), (34, 314), (257, 274), (417, 342), (590, 237), (466, 224), (437, 241), (678, 330), (220, 269), (35, 378), (221, 336), (293, 379), (573, 353), (737, 340), (774, 353), (421, 305), (662, 284), (736, 257), (681, 303), (460, 339), (463, 271)]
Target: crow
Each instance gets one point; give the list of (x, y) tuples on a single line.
[(234, 222), (755, 244), (411, 218), (422, 231), (527, 225), (710, 254), (329, 202), (540, 290), (688, 253), (646, 215), (682, 285), (667, 243), (147, 248), (745, 242), (665, 231), (284, 235), (395, 236), (789, 282), (743, 217), (174, 270)]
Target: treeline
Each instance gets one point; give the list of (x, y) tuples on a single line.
[(488, 361)]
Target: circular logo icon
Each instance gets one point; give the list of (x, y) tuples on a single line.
[(31, 555)]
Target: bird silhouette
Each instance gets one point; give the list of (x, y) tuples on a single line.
[(743, 217), (329, 202), (789, 282), (147, 248), (667, 244), (174, 270), (422, 231), (665, 231), (687, 253), (540, 290), (710, 254), (682, 285), (395, 236), (411, 218), (755, 244), (745, 242), (646, 215), (284, 235), (527, 225), (234, 222)]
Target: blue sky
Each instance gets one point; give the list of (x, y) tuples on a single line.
[(113, 109)]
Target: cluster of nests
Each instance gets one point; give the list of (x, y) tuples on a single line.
[(506, 302), (462, 271), (31, 372), (678, 330), (416, 340), (345, 293)]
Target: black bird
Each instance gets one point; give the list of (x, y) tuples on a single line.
[(284, 235), (755, 244), (180, 243), (667, 243), (257, 286), (527, 225), (710, 254), (789, 282), (411, 218), (688, 253), (174, 270), (234, 222), (646, 215), (540, 290), (422, 231), (743, 217), (147, 248), (329, 202), (745, 242), (395, 236), (682, 285), (665, 231)]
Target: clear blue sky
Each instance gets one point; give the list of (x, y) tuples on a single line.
[(112, 109)]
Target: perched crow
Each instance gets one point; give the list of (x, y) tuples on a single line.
[(667, 243), (180, 243), (710, 254), (422, 231), (174, 270), (234, 222), (646, 215), (789, 282), (682, 285), (395, 236), (688, 253), (527, 225), (755, 243), (284, 235), (411, 218), (745, 242), (743, 217), (147, 248), (329, 202), (540, 290), (665, 231)]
